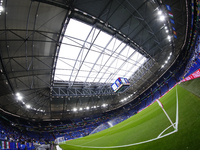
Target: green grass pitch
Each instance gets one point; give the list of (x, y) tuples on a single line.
[(148, 124)]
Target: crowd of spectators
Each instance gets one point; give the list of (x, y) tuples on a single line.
[(194, 60)]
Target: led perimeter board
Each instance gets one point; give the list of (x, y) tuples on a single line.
[(120, 85)]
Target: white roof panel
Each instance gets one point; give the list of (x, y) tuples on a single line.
[(88, 54)]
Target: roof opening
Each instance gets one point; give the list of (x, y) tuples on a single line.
[(88, 54)]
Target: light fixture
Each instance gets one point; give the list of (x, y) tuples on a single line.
[(169, 37), (159, 12), (80, 108), (162, 18), (104, 105), (20, 98), (162, 66), (74, 109), (1, 8), (28, 106), (87, 108), (167, 31), (17, 94)]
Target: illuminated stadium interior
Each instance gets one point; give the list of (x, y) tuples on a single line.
[(63, 56), (60, 59)]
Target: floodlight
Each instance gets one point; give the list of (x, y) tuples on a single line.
[(94, 106), (87, 108), (166, 61), (162, 18), (80, 108), (104, 105), (159, 12), (28, 106), (20, 98), (74, 109), (162, 66), (1, 8), (167, 31), (17, 94), (166, 27), (170, 53), (169, 37)]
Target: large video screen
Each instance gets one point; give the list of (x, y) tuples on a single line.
[(119, 83)]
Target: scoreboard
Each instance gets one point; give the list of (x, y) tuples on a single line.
[(120, 85)]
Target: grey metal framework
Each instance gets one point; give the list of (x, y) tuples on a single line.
[(31, 34)]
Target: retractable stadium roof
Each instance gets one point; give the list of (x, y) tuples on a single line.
[(60, 57)]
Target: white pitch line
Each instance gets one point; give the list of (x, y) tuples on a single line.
[(176, 123), (159, 137), (176, 109), (165, 130)]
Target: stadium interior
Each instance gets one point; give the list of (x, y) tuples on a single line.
[(59, 58)]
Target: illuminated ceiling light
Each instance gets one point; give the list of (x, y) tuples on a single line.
[(167, 31), (162, 66), (166, 27), (95, 107), (162, 18), (28, 106), (74, 109), (80, 108), (1, 8), (104, 105), (166, 61), (20, 98), (169, 37), (168, 57), (170, 53), (87, 108), (159, 12), (17, 94)]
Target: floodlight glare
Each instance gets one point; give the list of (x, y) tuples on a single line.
[(1, 8), (162, 18), (166, 61), (74, 109), (166, 27), (162, 66), (17, 94), (20, 98), (87, 108), (159, 12), (28, 106), (169, 37), (167, 31), (104, 105), (80, 108)]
